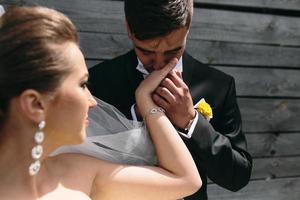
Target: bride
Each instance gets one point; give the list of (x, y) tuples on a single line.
[(44, 104)]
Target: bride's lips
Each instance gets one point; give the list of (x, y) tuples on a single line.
[(87, 122)]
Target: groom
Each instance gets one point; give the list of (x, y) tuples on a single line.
[(158, 31)]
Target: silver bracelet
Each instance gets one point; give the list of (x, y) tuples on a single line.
[(154, 111)]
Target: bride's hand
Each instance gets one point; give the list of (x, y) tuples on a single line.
[(143, 93)]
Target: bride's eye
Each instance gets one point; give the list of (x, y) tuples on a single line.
[(84, 84)]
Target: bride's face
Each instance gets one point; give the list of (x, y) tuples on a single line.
[(68, 111)]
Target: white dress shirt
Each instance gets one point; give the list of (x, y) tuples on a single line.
[(140, 67), (2, 11)]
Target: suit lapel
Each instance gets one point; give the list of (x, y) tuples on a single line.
[(188, 68), (134, 76), (192, 69)]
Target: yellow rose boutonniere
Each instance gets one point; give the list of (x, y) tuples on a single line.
[(205, 109)]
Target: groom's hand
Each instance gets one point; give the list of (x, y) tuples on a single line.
[(143, 94), (174, 96)]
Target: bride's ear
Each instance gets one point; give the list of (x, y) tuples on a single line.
[(32, 105)]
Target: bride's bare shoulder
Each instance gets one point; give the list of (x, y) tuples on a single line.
[(72, 163), (81, 171), (78, 171), (67, 162)]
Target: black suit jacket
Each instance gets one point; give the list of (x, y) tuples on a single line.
[(219, 146)]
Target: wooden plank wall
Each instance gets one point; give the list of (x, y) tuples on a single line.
[(257, 42)]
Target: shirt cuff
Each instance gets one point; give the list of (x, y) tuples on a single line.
[(133, 114), (191, 130)]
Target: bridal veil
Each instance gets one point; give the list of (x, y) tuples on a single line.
[(113, 137)]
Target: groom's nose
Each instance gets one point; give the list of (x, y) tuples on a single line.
[(159, 62)]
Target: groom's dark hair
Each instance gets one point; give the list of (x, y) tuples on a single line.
[(149, 19)]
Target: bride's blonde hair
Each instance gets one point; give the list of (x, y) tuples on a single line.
[(29, 58)]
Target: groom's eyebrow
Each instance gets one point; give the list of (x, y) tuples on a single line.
[(144, 50), (174, 50), (168, 51)]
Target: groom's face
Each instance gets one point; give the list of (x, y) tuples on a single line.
[(156, 53)]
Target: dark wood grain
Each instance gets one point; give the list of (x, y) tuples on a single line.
[(265, 81), (277, 4), (270, 168), (277, 189), (6, 3), (270, 115), (274, 144), (208, 24), (274, 168), (106, 46)]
